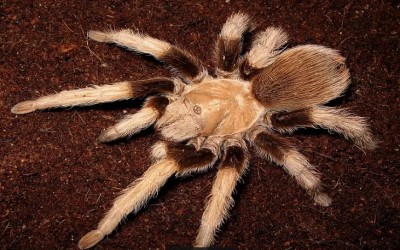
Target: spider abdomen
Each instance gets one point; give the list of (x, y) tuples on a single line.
[(301, 77)]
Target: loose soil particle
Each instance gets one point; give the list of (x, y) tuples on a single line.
[(56, 180)]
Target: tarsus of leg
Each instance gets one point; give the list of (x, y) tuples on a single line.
[(132, 41), (341, 121), (130, 124), (218, 205), (266, 46), (236, 25), (79, 97), (131, 200), (306, 176)]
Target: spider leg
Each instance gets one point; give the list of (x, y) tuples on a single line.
[(134, 123), (333, 119), (180, 60), (170, 159), (229, 43), (132, 199), (264, 48), (99, 94), (232, 166), (283, 153)]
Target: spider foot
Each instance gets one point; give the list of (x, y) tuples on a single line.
[(24, 107), (322, 199), (90, 239), (98, 36)]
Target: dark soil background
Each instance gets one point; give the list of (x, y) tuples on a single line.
[(56, 180)]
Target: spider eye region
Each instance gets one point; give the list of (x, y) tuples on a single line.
[(197, 109)]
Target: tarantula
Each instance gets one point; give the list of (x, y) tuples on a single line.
[(206, 120)]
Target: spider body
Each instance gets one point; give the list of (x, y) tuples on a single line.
[(206, 120), (215, 107)]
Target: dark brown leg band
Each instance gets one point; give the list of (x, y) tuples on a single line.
[(158, 103), (227, 54), (299, 118), (234, 157), (183, 62), (153, 86), (272, 145), (187, 157)]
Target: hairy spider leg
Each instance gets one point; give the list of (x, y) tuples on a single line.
[(229, 43), (337, 120), (181, 61), (141, 190), (98, 94), (233, 164), (282, 152), (265, 47), (133, 123), (132, 199)]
